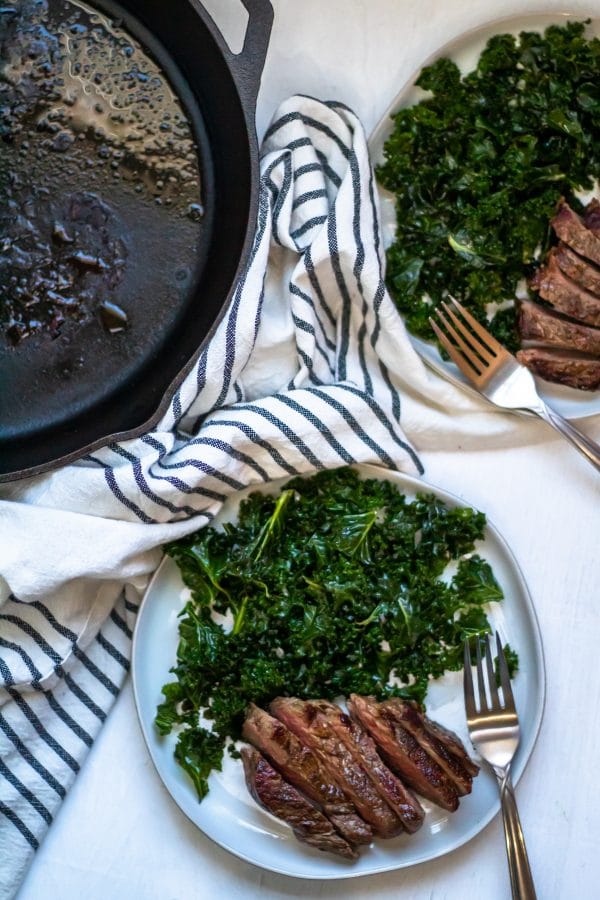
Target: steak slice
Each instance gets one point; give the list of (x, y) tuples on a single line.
[(361, 745), (286, 803), (340, 763), (536, 323), (403, 753), (562, 367), (584, 273), (572, 229), (564, 294), (411, 717), (453, 744), (299, 765)]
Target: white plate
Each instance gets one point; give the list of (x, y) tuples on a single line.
[(230, 817), (465, 51)]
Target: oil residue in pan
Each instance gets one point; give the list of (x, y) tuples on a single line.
[(80, 100), (104, 221)]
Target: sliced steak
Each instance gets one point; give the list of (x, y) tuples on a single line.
[(537, 323), (361, 745), (410, 716), (584, 273), (572, 229), (404, 754), (340, 763), (564, 294), (286, 803), (453, 744), (562, 367), (299, 765)]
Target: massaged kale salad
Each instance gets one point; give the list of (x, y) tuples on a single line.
[(477, 168), (331, 587)]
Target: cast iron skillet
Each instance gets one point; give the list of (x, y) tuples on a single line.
[(51, 414)]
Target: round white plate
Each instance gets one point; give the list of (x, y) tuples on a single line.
[(465, 51), (228, 814)]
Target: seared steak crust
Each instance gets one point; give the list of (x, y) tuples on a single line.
[(341, 764), (585, 273), (283, 800), (564, 294), (537, 323), (573, 230), (403, 753), (361, 745), (453, 744), (410, 716), (299, 765), (562, 367)]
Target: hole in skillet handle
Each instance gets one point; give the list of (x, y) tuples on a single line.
[(231, 17), (245, 26)]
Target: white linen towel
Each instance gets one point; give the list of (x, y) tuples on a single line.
[(308, 369)]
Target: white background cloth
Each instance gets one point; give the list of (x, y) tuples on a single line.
[(118, 835)]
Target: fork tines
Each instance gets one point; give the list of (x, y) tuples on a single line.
[(486, 697), (468, 343)]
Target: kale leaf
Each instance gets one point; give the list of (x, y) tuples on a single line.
[(478, 166), (336, 585), (199, 751)]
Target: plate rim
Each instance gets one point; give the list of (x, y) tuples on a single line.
[(375, 138), (411, 481)]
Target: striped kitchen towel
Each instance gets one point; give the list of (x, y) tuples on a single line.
[(302, 374)]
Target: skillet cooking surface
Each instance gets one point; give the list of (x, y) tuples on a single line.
[(106, 208)]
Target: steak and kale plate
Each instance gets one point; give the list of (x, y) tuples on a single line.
[(478, 168), (336, 587)]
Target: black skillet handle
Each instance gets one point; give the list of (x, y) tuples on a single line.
[(248, 64)]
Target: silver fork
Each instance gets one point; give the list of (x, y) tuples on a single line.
[(494, 730), (498, 375)]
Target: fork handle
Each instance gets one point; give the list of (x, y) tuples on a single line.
[(589, 448), (521, 880)]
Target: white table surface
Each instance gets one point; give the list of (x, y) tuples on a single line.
[(118, 836)]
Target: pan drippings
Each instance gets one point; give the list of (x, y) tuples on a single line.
[(97, 160)]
